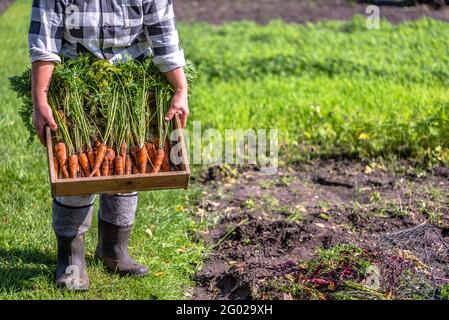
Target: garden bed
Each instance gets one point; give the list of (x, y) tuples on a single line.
[(4, 4), (269, 227), (298, 11)]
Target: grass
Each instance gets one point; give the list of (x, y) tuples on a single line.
[(331, 88), (160, 238)]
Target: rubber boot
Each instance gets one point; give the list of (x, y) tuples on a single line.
[(71, 271), (112, 250)]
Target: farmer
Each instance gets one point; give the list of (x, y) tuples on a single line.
[(112, 30)]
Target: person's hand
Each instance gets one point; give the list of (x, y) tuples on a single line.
[(42, 117), (180, 105)]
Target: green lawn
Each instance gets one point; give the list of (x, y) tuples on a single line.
[(331, 88)]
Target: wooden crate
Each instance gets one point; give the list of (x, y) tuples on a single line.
[(116, 184)]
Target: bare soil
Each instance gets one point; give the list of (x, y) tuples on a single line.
[(260, 223), (4, 4), (298, 11)]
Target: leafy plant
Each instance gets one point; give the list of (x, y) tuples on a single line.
[(96, 103)]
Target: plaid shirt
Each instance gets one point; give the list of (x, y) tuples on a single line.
[(108, 29)]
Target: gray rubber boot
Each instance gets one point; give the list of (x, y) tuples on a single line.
[(71, 266), (112, 250)]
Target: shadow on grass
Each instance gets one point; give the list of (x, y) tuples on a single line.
[(20, 268)]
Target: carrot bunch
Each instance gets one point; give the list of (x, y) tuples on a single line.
[(110, 119), (94, 85), (104, 161)]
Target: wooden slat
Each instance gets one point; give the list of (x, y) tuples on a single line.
[(181, 139), (140, 182), (51, 172)]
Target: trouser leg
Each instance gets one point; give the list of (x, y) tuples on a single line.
[(118, 209), (72, 216)]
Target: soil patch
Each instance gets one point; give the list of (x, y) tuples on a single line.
[(298, 11), (4, 4), (261, 224)]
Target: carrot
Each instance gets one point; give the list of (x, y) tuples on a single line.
[(165, 166), (84, 162), (151, 152), (101, 153), (105, 168), (61, 155), (142, 159), (119, 168), (74, 166), (158, 160), (123, 149), (110, 156), (91, 157), (56, 166), (134, 169), (166, 161), (128, 165)]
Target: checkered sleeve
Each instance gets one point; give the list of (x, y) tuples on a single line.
[(161, 32), (46, 29)]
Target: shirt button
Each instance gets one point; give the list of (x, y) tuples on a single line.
[(105, 27)]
